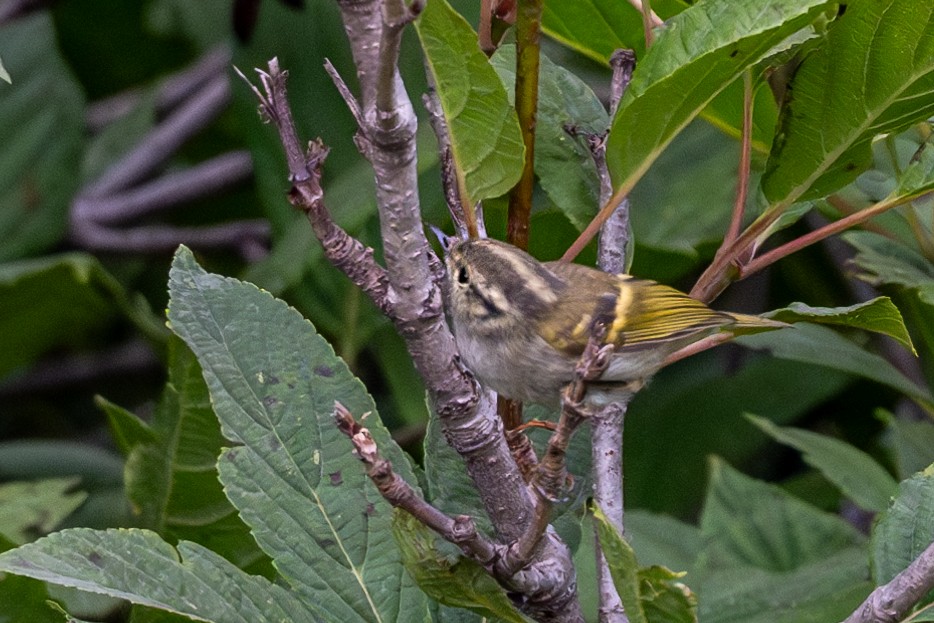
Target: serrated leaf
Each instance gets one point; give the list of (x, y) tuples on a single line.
[(906, 528), (461, 583), (826, 589), (42, 124), (815, 344), (171, 470), (485, 140), (563, 164), (857, 474), (874, 74), (687, 66), (273, 382), (753, 523), (879, 315), (32, 509), (885, 261), (61, 301), (139, 566)]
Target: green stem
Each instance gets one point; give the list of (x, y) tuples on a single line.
[(528, 32)]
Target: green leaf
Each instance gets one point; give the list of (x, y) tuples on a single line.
[(912, 443), (885, 261), (857, 474), (623, 566), (61, 301), (139, 566), (42, 124), (666, 445), (815, 344), (664, 598), (563, 164), (171, 469), (826, 589), (650, 594), (25, 599), (449, 486), (691, 62), (906, 529), (100, 471), (32, 509), (879, 59), (597, 28), (273, 383), (752, 523), (4, 74), (879, 315), (662, 540), (127, 430), (485, 140), (461, 583), (918, 176)]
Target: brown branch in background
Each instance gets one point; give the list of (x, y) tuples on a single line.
[(892, 602), (171, 92), (102, 213), (14, 9)]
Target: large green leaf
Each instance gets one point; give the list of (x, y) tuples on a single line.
[(61, 301), (273, 382), (879, 315), (667, 445), (662, 540), (485, 140), (906, 529), (826, 589), (42, 125), (810, 343), (563, 164), (139, 566), (699, 53), (746, 522), (874, 74), (857, 474), (171, 469)]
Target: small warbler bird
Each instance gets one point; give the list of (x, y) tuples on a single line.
[(521, 325)]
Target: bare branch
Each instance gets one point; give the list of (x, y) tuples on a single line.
[(891, 602), (459, 530)]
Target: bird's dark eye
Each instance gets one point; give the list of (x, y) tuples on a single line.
[(462, 276)]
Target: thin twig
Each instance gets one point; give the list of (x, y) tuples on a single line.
[(459, 530), (607, 424), (648, 17), (654, 19)]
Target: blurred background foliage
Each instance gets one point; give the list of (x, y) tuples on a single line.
[(78, 320)]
